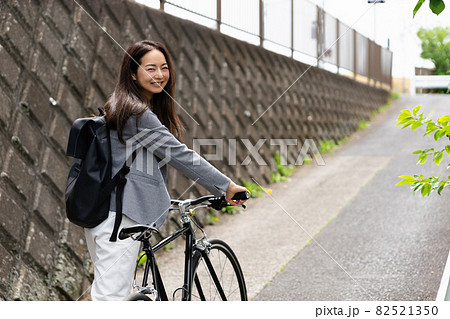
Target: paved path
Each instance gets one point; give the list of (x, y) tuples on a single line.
[(343, 231)]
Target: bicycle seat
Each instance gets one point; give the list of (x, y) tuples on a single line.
[(127, 232)]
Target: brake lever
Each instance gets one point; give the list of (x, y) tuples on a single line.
[(220, 202)]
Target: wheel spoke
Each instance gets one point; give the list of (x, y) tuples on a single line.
[(228, 273)]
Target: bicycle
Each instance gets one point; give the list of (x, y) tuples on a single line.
[(211, 269)]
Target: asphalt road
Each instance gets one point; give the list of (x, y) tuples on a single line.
[(343, 230), (383, 243)]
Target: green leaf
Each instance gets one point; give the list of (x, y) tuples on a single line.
[(426, 189), (415, 125), (444, 119), (402, 118), (407, 180), (408, 112), (430, 128), (422, 158), (437, 6), (446, 130), (417, 7), (438, 134), (416, 109), (447, 149), (405, 119), (440, 189), (438, 157), (406, 176), (407, 122), (404, 182), (417, 187)]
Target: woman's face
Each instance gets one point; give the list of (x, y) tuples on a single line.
[(152, 74)]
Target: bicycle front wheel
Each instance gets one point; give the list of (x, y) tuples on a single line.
[(217, 274)]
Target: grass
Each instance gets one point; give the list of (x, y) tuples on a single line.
[(327, 146), (362, 125), (231, 210), (254, 189), (283, 171)]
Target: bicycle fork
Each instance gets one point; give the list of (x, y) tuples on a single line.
[(203, 250)]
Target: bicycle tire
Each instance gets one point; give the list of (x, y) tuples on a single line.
[(227, 269), (137, 296)]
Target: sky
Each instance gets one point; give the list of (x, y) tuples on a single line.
[(390, 22)]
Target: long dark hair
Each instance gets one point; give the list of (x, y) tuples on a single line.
[(127, 99)]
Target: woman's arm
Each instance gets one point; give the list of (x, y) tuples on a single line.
[(157, 139)]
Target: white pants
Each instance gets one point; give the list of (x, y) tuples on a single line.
[(114, 262)]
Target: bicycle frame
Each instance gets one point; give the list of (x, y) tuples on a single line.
[(151, 261), (190, 248), (196, 251)]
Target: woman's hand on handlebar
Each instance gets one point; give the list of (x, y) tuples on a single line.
[(231, 191)]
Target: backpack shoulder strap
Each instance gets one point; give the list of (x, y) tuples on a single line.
[(120, 180)]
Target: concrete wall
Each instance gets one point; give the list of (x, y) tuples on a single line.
[(52, 50)]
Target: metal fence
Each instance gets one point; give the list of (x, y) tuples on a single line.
[(297, 28)]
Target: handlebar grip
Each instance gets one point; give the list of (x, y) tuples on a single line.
[(241, 196)]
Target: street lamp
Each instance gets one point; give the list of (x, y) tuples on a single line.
[(374, 16)]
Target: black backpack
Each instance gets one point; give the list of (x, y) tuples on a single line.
[(89, 184)]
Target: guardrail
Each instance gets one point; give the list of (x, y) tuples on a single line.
[(429, 82)]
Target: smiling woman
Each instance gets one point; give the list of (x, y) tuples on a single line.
[(153, 74), (145, 62), (141, 116)]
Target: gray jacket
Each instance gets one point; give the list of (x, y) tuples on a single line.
[(146, 199)]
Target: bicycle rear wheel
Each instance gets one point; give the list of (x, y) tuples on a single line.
[(218, 275)]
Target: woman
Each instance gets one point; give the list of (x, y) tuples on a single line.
[(141, 115)]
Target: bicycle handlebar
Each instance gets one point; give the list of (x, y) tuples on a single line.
[(241, 196), (214, 202)]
